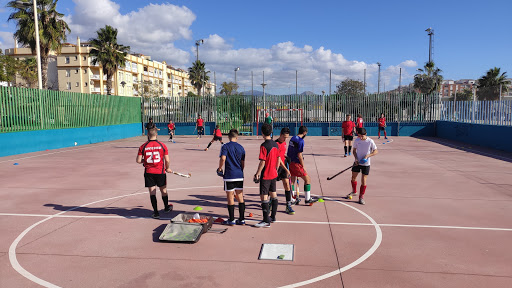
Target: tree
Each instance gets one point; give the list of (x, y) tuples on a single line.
[(27, 69), (464, 95), (489, 84), (52, 29), (227, 88), (8, 68), (108, 53), (350, 87), (198, 76), (429, 79)]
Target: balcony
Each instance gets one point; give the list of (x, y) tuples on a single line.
[(146, 73), (151, 74), (95, 90), (97, 77)]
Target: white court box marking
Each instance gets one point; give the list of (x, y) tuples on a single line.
[(276, 252)]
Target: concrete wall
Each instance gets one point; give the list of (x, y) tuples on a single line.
[(491, 136), (32, 141)]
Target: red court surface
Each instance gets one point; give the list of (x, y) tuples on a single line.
[(437, 214)]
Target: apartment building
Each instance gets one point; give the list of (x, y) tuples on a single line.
[(139, 76), (449, 87)]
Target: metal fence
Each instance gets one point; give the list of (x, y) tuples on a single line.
[(240, 111), (478, 112), (24, 109)]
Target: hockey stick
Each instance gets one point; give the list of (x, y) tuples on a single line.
[(330, 178), (181, 174)]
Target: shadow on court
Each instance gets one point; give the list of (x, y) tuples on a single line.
[(135, 212)]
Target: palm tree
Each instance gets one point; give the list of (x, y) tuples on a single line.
[(429, 79), (52, 29), (198, 76), (108, 53), (27, 69), (489, 84)]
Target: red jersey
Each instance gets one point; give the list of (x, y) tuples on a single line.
[(359, 122), (170, 126), (217, 132), (382, 122), (153, 154), (269, 153), (348, 127), (200, 122), (282, 150)]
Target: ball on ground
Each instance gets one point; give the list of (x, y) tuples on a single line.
[(349, 197)]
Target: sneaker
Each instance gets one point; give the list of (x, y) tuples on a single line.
[(155, 215), (168, 208), (311, 201), (173, 141), (240, 222), (272, 220), (229, 222), (345, 154), (351, 194), (378, 138), (385, 137), (289, 210), (296, 202), (205, 149), (349, 153), (361, 201), (262, 224), (170, 140)]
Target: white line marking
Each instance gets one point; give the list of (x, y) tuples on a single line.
[(249, 220)]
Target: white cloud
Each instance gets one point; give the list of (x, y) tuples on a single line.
[(6, 40), (155, 28)]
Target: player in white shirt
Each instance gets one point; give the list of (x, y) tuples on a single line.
[(364, 148)]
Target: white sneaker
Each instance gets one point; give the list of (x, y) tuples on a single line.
[(262, 224)]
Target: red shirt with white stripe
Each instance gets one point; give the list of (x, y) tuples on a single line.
[(153, 155), (359, 122)]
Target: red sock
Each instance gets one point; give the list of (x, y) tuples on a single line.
[(385, 134), (379, 133), (354, 186), (363, 190)]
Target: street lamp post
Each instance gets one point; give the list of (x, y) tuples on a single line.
[(38, 49), (198, 42), (236, 69), (378, 81), (263, 85)]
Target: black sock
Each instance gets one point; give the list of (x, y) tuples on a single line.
[(231, 211), (345, 149), (349, 149), (288, 195), (264, 209), (241, 209), (171, 136), (153, 203), (166, 200), (209, 144), (275, 203)]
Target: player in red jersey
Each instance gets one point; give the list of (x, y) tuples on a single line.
[(348, 133), (171, 127), (152, 155), (382, 125), (199, 126), (359, 123), (217, 135), (283, 173)]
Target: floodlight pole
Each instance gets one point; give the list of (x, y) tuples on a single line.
[(378, 81), (198, 42), (263, 85)]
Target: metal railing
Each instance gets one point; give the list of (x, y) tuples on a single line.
[(477, 112), (24, 109)]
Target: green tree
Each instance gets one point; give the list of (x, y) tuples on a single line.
[(429, 79), (108, 53), (27, 70), (464, 95), (350, 87), (489, 84), (52, 29), (198, 75), (227, 88), (8, 68)]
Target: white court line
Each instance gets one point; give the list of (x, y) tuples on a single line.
[(249, 220)]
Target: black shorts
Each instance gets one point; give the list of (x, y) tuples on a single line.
[(233, 185), (171, 131), (200, 129), (358, 131), (267, 186), (215, 138), (281, 173), (359, 168), (348, 137), (382, 128), (151, 180)]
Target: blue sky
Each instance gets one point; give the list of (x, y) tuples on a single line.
[(309, 36)]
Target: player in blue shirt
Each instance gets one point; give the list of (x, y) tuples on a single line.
[(232, 156), (297, 169)]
